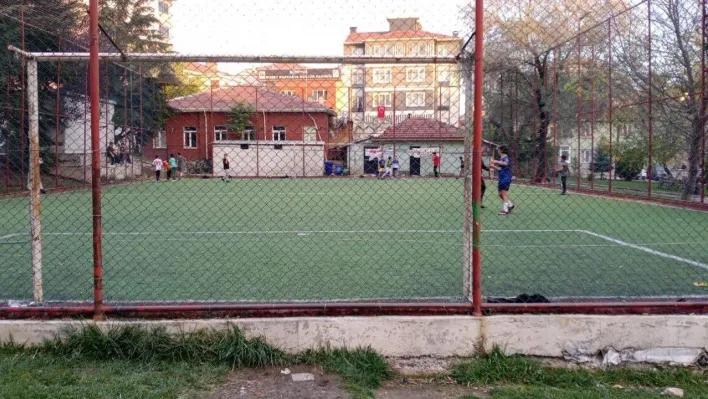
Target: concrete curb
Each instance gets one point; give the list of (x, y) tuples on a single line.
[(434, 336)]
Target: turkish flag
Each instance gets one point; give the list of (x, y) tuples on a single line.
[(381, 111)]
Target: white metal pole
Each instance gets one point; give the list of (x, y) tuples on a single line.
[(467, 69), (35, 184)]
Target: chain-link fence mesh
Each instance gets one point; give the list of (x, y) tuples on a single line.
[(343, 178)]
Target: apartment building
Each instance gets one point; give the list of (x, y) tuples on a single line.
[(407, 90)]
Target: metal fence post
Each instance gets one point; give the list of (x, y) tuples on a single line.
[(477, 153), (96, 163), (34, 178)]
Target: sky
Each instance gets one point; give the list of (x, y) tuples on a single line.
[(309, 27)]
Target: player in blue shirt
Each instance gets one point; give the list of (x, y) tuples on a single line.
[(503, 165)]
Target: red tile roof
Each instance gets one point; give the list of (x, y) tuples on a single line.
[(358, 37), (222, 100)]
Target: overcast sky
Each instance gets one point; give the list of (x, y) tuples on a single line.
[(308, 27)]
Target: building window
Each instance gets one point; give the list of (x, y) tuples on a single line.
[(278, 133), (389, 50), (358, 103), (288, 92), (420, 50), (164, 7), (310, 133), (164, 31), (358, 77), (382, 99), (220, 132), (443, 51), (415, 99), (375, 50), (382, 76), (565, 150), (358, 51), (415, 74), (585, 130), (190, 137), (585, 155), (445, 98), (160, 139), (249, 134), (443, 75), (319, 95)]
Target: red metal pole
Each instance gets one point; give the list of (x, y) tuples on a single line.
[(7, 149), (579, 110), (555, 108), (86, 99), (96, 163), (394, 121), (56, 133), (105, 91), (22, 103), (611, 105), (125, 108), (651, 124), (142, 129), (303, 131), (703, 101), (477, 159), (592, 119)]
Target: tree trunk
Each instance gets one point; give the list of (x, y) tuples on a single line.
[(694, 158), (540, 138)]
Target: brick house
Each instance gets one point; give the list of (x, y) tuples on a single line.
[(199, 129)]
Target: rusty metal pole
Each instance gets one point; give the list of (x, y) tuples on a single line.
[(477, 159), (56, 132), (592, 119), (555, 109), (34, 178), (139, 150), (23, 85), (578, 110), (609, 41), (703, 101), (96, 163), (651, 124)]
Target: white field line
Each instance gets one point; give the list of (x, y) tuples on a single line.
[(10, 236), (307, 232), (647, 250)]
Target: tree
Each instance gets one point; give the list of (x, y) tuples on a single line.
[(631, 158), (524, 41), (601, 159), (184, 84), (676, 79), (133, 27), (240, 116), (49, 25)]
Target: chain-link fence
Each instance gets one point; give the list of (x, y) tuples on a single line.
[(345, 177)]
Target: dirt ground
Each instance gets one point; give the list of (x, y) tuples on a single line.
[(272, 383)]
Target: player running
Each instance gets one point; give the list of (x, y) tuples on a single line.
[(503, 165)]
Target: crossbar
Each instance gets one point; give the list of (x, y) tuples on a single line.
[(174, 57)]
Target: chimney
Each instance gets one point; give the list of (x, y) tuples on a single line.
[(455, 33), (352, 29)]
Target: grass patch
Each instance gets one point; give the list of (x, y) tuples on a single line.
[(520, 377), (135, 360), (361, 369)]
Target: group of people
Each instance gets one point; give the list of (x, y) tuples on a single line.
[(119, 156), (174, 167), (388, 168)]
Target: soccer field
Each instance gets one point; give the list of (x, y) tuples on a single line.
[(347, 239)]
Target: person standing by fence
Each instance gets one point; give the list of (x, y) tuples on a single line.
[(563, 172), (181, 163), (436, 164), (226, 168), (157, 163)]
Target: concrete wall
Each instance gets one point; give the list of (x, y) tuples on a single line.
[(439, 336), (262, 159)]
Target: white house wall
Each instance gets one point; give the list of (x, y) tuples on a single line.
[(263, 160)]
